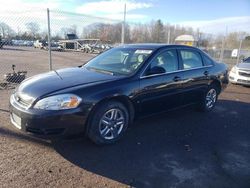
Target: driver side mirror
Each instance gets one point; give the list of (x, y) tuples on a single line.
[(156, 70)]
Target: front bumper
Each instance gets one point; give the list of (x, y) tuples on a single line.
[(238, 79), (48, 123)]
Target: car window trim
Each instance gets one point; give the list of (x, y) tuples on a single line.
[(182, 70)]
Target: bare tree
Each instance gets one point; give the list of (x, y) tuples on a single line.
[(140, 33), (106, 32), (6, 31), (246, 42), (69, 30), (33, 29)]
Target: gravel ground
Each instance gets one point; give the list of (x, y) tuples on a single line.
[(182, 148)]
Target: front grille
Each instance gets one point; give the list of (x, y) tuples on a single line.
[(23, 100), (55, 131), (34, 130), (246, 74)]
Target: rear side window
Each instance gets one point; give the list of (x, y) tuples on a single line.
[(191, 59), (207, 61)]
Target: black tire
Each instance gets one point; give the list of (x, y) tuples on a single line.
[(205, 105), (96, 125)]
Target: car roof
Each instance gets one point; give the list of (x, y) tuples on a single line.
[(155, 46)]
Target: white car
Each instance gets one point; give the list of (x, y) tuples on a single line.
[(39, 44), (240, 73)]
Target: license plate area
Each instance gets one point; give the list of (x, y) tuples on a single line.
[(16, 120)]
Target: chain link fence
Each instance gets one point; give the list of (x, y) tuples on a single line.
[(25, 45), (18, 31)]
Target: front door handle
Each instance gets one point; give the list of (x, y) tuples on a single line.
[(206, 73), (177, 78)]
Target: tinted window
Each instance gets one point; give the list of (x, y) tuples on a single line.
[(207, 61), (247, 60), (191, 59), (167, 60)]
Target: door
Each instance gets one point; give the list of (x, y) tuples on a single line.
[(195, 75), (160, 84)]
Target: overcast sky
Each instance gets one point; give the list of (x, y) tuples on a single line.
[(211, 16)]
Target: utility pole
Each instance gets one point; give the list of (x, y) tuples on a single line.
[(123, 25), (238, 53), (222, 49), (223, 46), (169, 35), (198, 38), (49, 44)]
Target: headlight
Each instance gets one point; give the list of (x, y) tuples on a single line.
[(58, 102), (233, 70)]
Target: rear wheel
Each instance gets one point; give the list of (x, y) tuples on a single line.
[(209, 99), (108, 123)]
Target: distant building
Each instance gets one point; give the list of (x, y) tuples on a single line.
[(186, 40)]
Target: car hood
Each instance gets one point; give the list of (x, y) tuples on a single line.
[(243, 66), (53, 81)]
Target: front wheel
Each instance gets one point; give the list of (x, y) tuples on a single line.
[(108, 123), (209, 99)]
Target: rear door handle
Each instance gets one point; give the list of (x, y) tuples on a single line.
[(177, 78), (206, 73)]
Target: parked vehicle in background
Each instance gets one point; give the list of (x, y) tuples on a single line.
[(85, 45), (54, 46), (99, 48), (96, 48), (105, 95), (28, 43), (240, 73), (242, 54), (40, 44), (1, 43), (21, 42)]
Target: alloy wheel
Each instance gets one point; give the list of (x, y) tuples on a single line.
[(111, 123), (211, 98)]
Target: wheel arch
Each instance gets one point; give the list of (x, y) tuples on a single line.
[(217, 83), (120, 98)]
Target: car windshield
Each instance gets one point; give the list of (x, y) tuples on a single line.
[(121, 61)]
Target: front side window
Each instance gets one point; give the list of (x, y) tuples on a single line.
[(164, 62), (191, 59), (122, 61)]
